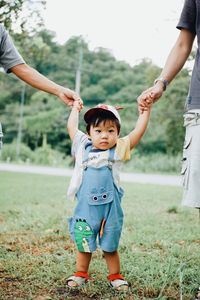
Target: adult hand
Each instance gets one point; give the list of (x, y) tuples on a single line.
[(150, 95), (68, 96)]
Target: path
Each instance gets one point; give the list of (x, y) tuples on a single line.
[(172, 180)]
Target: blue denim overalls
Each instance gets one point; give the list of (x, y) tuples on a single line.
[(98, 211)]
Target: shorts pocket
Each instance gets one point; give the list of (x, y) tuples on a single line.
[(185, 170)]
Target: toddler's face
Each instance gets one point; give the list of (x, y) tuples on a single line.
[(104, 136)]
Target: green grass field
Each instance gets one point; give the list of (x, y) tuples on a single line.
[(159, 247)]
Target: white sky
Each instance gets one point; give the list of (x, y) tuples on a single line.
[(130, 29)]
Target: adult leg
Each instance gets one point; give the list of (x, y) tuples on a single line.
[(191, 162)]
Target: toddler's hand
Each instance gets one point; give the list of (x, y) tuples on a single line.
[(78, 104), (147, 104)]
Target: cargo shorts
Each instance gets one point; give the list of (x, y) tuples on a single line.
[(191, 160)]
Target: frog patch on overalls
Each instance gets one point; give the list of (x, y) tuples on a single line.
[(82, 232), (99, 204)]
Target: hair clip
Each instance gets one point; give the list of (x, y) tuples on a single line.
[(118, 107)]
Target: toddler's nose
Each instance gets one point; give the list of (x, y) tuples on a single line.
[(104, 135)]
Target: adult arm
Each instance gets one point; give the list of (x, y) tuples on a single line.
[(174, 63), (39, 81), (136, 134), (12, 61)]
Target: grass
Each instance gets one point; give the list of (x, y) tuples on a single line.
[(159, 248)]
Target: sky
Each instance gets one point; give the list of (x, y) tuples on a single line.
[(130, 29)]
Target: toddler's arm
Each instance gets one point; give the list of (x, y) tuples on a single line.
[(73, 120), (136, 134)]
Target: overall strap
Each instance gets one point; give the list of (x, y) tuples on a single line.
[(86, 152), (111, 157)]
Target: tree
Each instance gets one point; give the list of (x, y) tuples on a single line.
[(103, 78), (21, 14)]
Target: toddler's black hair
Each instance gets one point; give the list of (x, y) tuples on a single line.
[(102, 116)]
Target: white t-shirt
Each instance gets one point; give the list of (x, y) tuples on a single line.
[(96, 159)]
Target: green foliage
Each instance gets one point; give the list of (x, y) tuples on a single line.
[(93, 95), (21, 13), (8, 9), (156, 162), (9, 153), (103, 79), (172, 210), (47, 156), (44, 155)]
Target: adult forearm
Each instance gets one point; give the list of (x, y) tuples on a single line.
[(35, 79)]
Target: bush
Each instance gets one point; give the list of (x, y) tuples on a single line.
[(148, 163), (154, 163), (9, 153), (47, 156)]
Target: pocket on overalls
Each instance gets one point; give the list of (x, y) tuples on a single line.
[(185, 170), (102, 196), (100, 186)]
